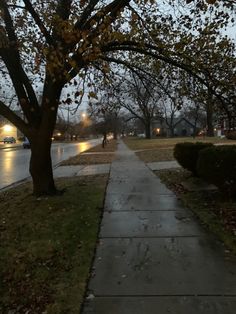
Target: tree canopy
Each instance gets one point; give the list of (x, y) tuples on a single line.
[(54, 44)]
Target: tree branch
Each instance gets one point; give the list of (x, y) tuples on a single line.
[(112, 8), (35, 16), (11, 57), (86, 14), (13, 118), (155, 53)]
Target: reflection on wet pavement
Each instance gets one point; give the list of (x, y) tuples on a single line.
[(149, 224), (137, 201), (176, 266), (14, 163), (162, 305)]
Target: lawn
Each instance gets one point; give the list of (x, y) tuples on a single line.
[(136, 144), (153, 155), (161, 149), (95, 155), (47, 246), (110, 147), (216, 213)]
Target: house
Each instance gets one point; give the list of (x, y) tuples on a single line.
[(179, 126)]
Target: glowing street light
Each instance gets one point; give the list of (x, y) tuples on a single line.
[(7, 128)]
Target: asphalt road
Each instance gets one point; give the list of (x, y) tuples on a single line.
[(14, 163)]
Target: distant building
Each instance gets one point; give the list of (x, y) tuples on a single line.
[(180, 127)]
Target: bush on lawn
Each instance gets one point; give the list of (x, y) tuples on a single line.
[(217, 165), (187, 154), (231, 135)]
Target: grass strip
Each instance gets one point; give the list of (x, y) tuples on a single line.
[(111, 147), (90, 159), (47, 246), (155, 155), (94, 156)]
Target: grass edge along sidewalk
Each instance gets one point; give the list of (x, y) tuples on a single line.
[(47, 245), (94, 156), (216, 214)]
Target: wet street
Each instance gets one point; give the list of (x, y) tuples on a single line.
[(14, 162)]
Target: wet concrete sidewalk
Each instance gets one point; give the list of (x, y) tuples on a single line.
[(81, 170), (152, 256), (94, 169)]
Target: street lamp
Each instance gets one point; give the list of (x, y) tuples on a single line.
[(7, 128)]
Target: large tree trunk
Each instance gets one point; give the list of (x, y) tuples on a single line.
[(41, 140), (172, 131), (195, 128), (209, 117), (171, 125), (115, 134), (114, 131), (148, 130), (41, 167), (104, 141), (115, 127)]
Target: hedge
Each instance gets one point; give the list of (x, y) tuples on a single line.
[(217, 165), (187, 154), (231, 135)]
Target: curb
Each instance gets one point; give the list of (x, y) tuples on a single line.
[(11, 147), (15, 184)]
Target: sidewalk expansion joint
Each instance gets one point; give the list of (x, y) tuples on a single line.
[(141, 193), (151, 237), (164, 295), (143, 210)]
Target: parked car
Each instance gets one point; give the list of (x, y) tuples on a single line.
[(9, 140), (26, 143)]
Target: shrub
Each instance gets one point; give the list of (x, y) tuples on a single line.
[(187, 154), (231, 135), (217, 165)]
